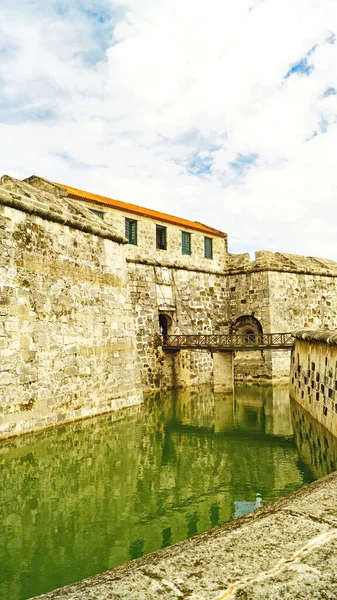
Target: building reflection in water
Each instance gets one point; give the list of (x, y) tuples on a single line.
[(83, 498), (317, 447)]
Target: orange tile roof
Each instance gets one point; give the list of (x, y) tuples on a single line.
[(139, 210)]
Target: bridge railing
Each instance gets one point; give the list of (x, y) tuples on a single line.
[(234, 341)]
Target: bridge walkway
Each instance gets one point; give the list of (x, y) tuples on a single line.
[(228, 342)]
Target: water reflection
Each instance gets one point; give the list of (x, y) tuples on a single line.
[(317, 447), (86, 497)]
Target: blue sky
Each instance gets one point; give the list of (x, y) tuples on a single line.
[(302, 67), (226, 116)]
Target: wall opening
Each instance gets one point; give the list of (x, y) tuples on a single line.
[(165, 322), (248, 326)]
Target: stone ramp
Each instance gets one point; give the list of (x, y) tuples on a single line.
[(286, 550)]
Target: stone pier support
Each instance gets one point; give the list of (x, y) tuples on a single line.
[(223, 372), (192, 367)]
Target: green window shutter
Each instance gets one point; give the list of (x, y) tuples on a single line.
[(161, 240), (131, 231), (186, 242), (208, 246)]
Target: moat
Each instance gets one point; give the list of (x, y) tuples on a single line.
[(83, 498)]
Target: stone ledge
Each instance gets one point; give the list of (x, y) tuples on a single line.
[(56, 207), (286, 550), (281, 262), (327, 336), (174, 264)]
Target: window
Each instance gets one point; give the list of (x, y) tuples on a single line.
[(99, 213), (185, 242), (208, 246), (160, 237), (131, 231)]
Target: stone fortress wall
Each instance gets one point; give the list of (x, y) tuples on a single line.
[(193, 301), (189, 290), (313, 375), (275, 292), (80, 307), (284, 292), (68, 347)]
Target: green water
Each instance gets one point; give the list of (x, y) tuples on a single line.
[(86, 497)]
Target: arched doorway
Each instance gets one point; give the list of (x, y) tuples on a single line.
[(250, 364), (248, 326)]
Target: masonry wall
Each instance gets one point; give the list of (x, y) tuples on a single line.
[(146, 250), (193, 301), (313, 375), (249, 295), (300, 300), (66, 324), (280, 300), (284, 292)]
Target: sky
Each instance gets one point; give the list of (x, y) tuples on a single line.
[(222, 112)]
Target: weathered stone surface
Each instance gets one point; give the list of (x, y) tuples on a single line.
[(283, 292), (193, 301), (284, 550), (313, 375), (321, 335), (65, 269), (145, 251), (67, 342), (45, 203), (281, 262), (189, 289)]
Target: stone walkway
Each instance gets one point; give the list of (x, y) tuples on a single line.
[(286, 550)]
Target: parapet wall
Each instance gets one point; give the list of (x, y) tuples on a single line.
[(284, 292), (265, 260), (313, 375), (67, 336)]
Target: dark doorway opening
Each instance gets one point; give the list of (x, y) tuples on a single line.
[(163, 325)]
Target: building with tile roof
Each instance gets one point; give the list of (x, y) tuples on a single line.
[(140, 211)]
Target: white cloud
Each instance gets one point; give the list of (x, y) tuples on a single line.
[(181, 106)]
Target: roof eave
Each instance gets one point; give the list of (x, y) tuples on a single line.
[(162, 218)]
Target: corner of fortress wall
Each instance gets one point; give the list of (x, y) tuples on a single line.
[(283, 292), (68, 347), (313, 375)]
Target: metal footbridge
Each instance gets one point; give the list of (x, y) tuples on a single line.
[(228, 342)]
